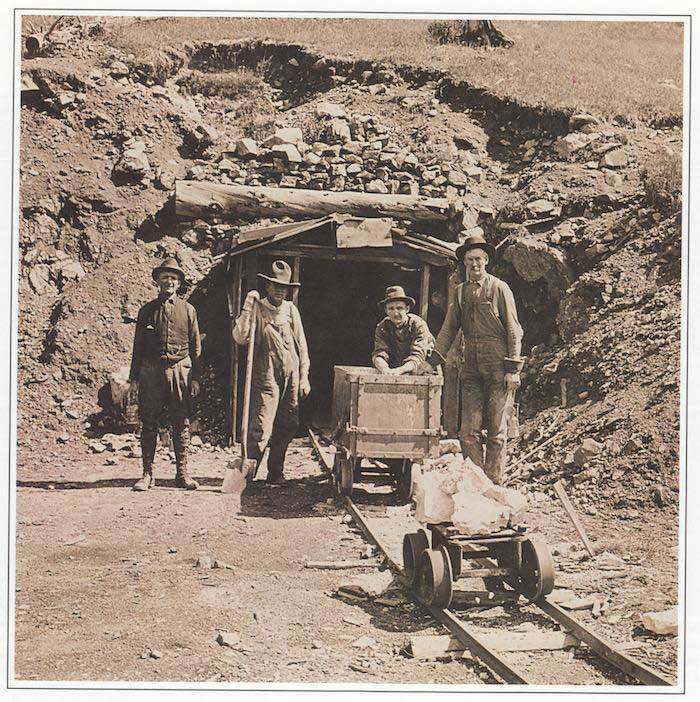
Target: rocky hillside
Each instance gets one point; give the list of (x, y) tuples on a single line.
[(585, 212)]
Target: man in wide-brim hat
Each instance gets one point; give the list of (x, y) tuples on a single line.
[(484, 309), (280, 368), (402, 340), (164, 371)]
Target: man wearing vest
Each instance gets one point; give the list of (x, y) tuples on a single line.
[(484, 309), (164, 368), (280, 368)]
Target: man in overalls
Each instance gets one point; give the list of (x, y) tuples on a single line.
[(164, 371), (484, 309), (280, 368)]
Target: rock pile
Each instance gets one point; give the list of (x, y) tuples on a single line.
[(453, 488), (348, 152)]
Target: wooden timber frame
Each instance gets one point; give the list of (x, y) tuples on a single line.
[(243, 266)]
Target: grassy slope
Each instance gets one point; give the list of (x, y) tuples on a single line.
[(633, 69)]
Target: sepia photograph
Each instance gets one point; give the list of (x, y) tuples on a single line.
[(349, 352)]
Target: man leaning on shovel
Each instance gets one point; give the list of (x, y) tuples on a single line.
[(164, 368), (280, 372)]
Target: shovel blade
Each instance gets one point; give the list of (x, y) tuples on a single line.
[(234, 478)]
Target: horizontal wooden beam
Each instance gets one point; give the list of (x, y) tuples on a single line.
[(200, 199)]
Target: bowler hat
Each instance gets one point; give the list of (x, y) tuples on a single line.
[(395, 293), (169, 264), (281, 274), (474, 241)]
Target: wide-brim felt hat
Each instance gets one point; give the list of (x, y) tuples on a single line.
[(169, 264), (475, 241), (395, 293), (281, 274)]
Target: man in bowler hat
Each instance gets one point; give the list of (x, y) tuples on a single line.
[(280, 368), (484, 309), (164, 371)]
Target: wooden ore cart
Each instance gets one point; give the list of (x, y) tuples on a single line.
[(394, 419)]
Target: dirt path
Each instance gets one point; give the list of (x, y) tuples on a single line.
[(105, 575), (108, 588)]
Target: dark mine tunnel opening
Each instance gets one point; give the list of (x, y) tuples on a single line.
[(338, 306), (537, 307)]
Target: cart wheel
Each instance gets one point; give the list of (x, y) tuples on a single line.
[(403, 485), (413, 546), (346, 477), (537, 571), (435, 577)]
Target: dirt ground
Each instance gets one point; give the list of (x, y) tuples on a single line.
[(98, 565), (108, 587)]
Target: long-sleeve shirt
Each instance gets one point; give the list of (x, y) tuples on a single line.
[(498, 295), (286, 313), (167, 330), (398, 345)]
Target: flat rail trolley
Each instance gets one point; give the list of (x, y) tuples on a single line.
[(433, 565), (393, 419)]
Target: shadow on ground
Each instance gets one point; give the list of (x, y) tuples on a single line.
[(291, 499), (108, 483)]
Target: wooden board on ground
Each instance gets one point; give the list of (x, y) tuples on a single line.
[(340, 565), (571, 512), (437, 646)]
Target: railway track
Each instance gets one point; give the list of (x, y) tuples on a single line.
[(607, 655)]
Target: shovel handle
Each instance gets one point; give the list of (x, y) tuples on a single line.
[(248, 379)]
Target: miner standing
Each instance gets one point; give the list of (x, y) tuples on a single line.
[(164, 371), (483, 307), (280, 368)]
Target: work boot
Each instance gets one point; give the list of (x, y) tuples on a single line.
[(275, 461), (274, 477), (183, 480), (146, 482), (181, 443), (149, 438)]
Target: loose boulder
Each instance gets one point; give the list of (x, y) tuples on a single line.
[(662, 623)]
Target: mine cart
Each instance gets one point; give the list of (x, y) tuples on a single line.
[(523, 563), (393, 419)]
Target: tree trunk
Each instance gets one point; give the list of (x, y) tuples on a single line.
[(196, 199), (469, 32)]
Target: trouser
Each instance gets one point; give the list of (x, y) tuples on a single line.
[(450, 400), (164, 392), (484, 403), (274, 419)]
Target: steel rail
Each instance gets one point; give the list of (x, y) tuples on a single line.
[(506, 672), (603, 647), (463, 633)]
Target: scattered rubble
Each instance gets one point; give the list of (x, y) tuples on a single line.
[(663, 623)]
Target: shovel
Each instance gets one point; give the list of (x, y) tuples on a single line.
[(241, 470)]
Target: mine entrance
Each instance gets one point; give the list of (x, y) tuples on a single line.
[(338, 306), (537, 307)]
